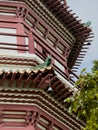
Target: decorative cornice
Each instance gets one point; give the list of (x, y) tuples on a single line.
[(17, 59), (42, 101)]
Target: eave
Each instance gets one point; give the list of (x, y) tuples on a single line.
[(65, 24), (79, 30), (38, 86), (44, 79), (41, 100)]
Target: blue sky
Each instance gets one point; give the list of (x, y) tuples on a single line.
[(87, 11)]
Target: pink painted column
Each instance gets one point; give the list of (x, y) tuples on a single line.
[(20, 40), (31, 43)]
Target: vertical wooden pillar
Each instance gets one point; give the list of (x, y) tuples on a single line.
[(46, 34), (20, 40), (31, 43), (1, 119), (50, 126), (66, 70)]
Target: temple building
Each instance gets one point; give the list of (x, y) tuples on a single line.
[(42, 44)]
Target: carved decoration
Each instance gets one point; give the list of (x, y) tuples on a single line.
[(32, 118), (22, 12)]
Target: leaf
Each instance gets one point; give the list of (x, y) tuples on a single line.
[(83, 70), (85, 102)]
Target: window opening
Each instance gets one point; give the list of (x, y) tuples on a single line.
[(51, 39), (40, 29)]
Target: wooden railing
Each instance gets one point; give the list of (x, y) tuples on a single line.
[(44, 46), (38, 31)]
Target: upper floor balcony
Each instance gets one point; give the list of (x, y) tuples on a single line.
[(23, 31)]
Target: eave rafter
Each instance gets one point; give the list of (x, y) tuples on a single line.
[(12, 79), (66, 18), (80, 31), (44, 79)]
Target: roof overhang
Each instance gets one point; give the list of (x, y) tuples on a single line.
[(39, 99), (64, 22)]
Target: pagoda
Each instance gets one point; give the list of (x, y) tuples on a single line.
[(42, 44)]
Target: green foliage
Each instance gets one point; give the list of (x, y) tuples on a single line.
[(85, 102), (95, 67)]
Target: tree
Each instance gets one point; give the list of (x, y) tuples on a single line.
[(85, 102), (95, 67)]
